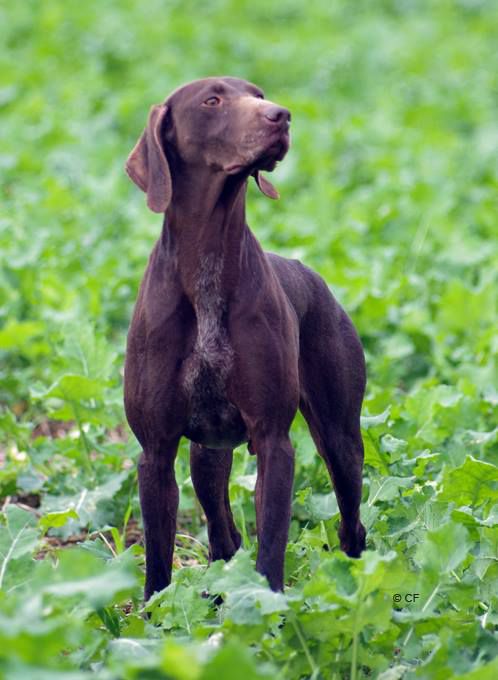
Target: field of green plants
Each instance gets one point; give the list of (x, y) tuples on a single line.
[(390, 192)]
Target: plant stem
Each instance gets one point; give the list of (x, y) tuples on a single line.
[(86, 448), (314, 668), (354, 652)]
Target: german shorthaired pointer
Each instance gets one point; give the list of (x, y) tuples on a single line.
[(228, 341)]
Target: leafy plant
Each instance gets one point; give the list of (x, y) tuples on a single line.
[(389, 191)]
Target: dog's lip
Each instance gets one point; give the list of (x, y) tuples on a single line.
[(234, 168), (278, 142), (282, 131), (279, 137)]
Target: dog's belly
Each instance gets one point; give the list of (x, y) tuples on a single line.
[(213, 420)]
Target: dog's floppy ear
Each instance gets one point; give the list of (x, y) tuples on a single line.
[(147, 164), (265, 186)]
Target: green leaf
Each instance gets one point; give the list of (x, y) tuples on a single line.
[(179, 661), (73, 388), (18, 537), (374, 421), (94, 508), (386, 489), (248, 604), (462, 307), (231, 661), (482, 438), (488, 671), (393, 446), (372, 570), (444, 549), (17, 334), (82, 576), (247, 594), (488, 550), (474, 483), (314, 506), (18, 671), (179, 606), (56, 519), (110, 619), (373, 454)]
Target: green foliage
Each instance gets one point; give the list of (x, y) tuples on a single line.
[(389, 191)]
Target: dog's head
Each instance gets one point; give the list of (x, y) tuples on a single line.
[(224, 124)]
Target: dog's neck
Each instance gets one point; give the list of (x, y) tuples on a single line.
[(205, 230)]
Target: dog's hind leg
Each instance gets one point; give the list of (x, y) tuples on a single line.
[(210, 470), (332, 378), (342, 452)]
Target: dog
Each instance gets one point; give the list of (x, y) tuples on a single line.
[(228, 341)]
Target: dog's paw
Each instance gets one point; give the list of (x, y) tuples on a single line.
[(352, 540)]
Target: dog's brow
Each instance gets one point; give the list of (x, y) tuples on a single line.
[(256, 92), (218, 88)]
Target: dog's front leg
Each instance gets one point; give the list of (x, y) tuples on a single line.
[(159, 502), (275, 460)]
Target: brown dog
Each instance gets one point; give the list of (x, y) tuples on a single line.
[(227, 341)]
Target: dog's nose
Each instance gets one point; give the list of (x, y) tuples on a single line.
[(277, 114)]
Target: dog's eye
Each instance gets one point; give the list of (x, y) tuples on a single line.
[(212, 101), (259, 96)]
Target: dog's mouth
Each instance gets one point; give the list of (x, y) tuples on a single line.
[(279, 143), (273, 150)]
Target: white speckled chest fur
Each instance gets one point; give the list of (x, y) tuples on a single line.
[(206, 369)]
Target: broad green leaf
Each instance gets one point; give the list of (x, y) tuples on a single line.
[(17, 334), (248, 596), (247, 482), (92, 507), (368, 422), (482, 438), (233, 660), (316, 507), (73, 388), (488, 671), (374, 456), (394, 673), (179, 607), (388, 488), (443, 549), (475, 483), (461, 306), (179, 661), (82, 576), (488, 550), (57, 519), (18, 538), (248, 604), (393, 446), (132, 652), (16, 671)]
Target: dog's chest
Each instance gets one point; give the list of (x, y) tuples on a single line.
[(213, 419), (211, 349)]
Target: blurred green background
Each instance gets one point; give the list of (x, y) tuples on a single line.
[(390, 192)]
